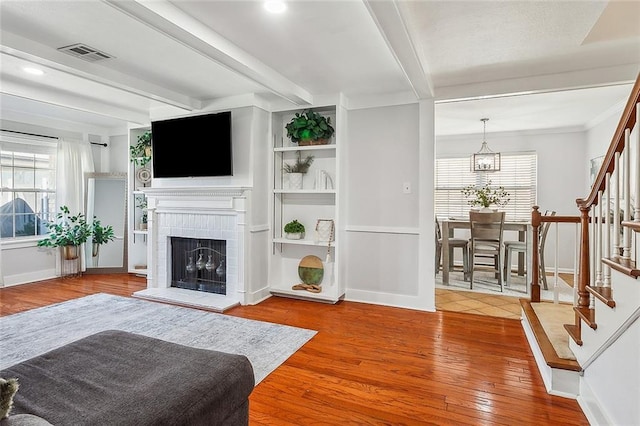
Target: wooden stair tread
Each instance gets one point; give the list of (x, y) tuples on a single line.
[(604, 294), (587, 315), (574, 333), (548, 352), (627, 267)]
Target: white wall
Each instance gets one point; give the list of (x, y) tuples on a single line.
[(382, 222)]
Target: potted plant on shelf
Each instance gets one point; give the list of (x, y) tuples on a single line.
[(310, 128), (100, 235), (297, 170), (141, 203), (486, 196), (141, 151), (294, 230), (68, 232)]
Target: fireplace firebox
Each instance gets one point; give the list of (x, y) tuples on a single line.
[(199, 264)]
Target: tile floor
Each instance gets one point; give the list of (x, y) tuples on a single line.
[(482, 304), (478, 303)]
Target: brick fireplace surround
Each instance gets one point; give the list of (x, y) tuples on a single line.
[(195, 212)]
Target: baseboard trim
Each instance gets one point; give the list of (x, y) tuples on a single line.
[(387, 299), (591, 407), (29, 277)]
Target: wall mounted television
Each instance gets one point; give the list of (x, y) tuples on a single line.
[(196, 146)]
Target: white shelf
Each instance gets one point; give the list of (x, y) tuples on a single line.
[(306, 205), (305, 148), (139, 231), (303, 242), (326, 295), (304, 191)]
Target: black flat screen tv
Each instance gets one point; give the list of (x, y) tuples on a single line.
[(197, 146)]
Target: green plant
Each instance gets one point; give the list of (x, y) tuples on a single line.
[(486, 196), (66, 230), (141, 151), (141, 203), (309, 125), (300, 166), (294, 227), (101, 234)]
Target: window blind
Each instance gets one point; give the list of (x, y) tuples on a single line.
[(518, 176)]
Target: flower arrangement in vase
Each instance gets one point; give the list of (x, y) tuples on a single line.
[(486, 196)]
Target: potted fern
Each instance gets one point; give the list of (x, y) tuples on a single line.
[(297, 170), (310, 128)]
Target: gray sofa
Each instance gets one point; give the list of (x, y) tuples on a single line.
[(120, 378)]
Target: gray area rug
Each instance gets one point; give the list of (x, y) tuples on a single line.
[(31, 333)]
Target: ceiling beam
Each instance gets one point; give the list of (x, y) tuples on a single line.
[(29, 50), (68, 100), (167, 19), (394, 29)]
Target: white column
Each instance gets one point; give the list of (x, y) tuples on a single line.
[(606, 269), (598, 238), (626, 177), (616, 206)]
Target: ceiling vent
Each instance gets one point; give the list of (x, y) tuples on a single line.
[(85, 52)]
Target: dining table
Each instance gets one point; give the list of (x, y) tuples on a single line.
[(524, 229)]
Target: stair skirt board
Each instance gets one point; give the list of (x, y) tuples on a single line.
[(590, 406), (564, 383)]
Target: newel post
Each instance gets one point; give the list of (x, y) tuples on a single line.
[(584, 277), (535, 259)]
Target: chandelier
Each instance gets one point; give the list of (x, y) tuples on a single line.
[(485, 160)]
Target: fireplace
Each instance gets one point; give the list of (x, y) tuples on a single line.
[(185, 223), (199, 264)]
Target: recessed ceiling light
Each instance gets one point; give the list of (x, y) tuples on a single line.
[(34, 71), (275, 6)]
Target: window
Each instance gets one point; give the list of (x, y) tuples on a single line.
[(27, 182), (518, 176)]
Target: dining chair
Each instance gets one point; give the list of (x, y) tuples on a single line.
[(460, 243), (486, 241), (521, 247)]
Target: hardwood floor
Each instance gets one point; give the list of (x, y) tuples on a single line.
[(373, 365)]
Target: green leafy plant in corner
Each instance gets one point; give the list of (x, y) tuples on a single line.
[(300, 166), (141, 151), (294, 227), (486, 196), (309, 125), (66, 230), (101, 234)]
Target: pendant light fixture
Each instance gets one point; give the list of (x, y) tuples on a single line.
[(485, 160)]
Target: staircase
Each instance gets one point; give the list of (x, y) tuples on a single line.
[(605, 336)]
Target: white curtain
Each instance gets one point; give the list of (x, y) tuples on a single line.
[(74, 160)]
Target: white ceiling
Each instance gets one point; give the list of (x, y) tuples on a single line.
[(188, 55)]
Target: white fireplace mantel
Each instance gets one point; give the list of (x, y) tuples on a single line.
[(195, 212)]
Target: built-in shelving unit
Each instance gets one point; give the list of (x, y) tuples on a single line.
[(137, 249), (307, 205)]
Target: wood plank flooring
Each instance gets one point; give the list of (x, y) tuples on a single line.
[(373, 365)]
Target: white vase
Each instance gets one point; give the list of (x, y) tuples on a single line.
[(294, 235), (295, 180)]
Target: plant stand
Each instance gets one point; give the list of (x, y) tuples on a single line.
[(70, 267)]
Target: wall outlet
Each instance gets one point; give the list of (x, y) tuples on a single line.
[(406, 187)]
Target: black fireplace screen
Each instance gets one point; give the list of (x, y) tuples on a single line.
[(199, 264)]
